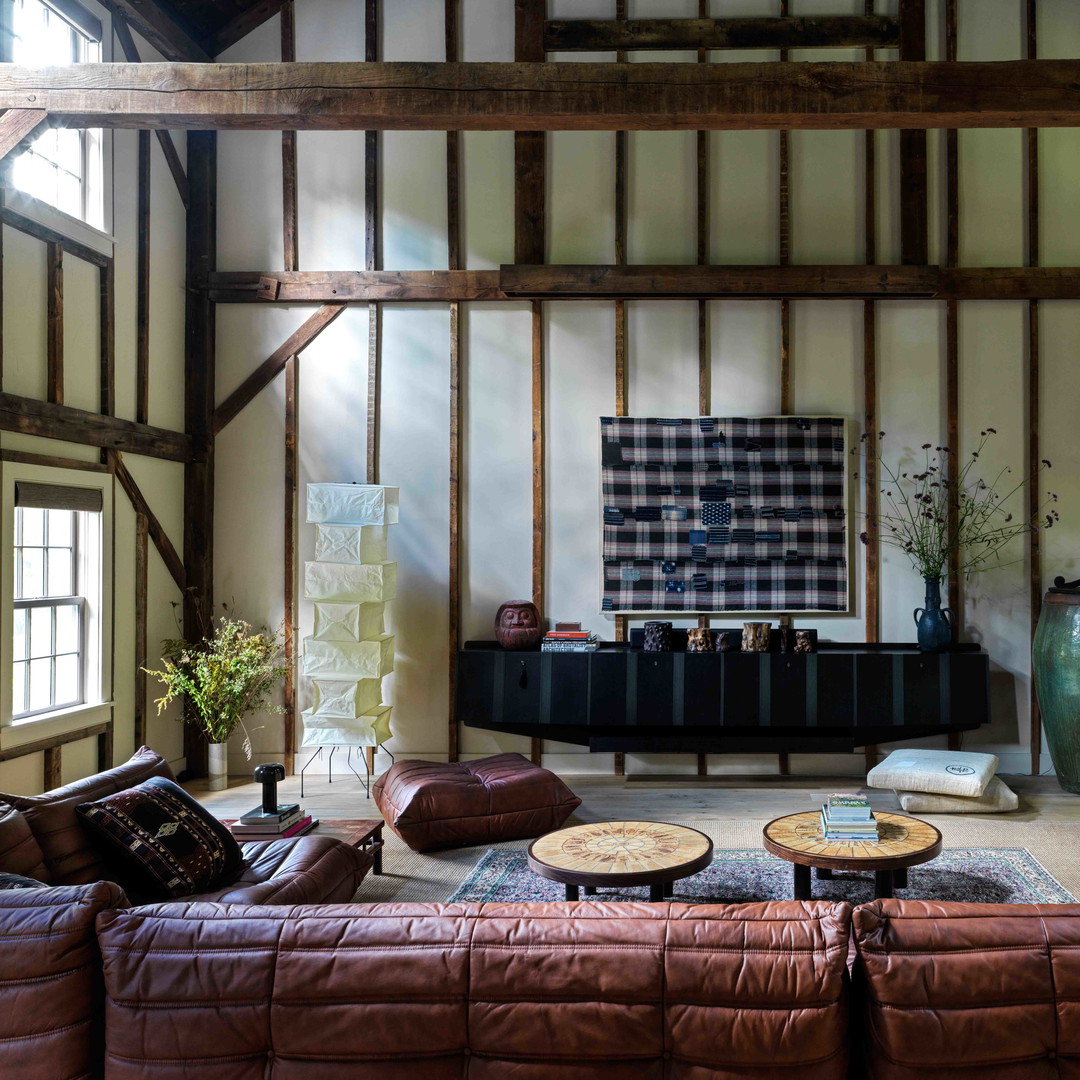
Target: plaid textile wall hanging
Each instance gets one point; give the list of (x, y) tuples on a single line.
[(724, 514)]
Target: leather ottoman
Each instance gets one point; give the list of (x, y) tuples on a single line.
[(432, 804)]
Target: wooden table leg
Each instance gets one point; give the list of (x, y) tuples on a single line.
[(669, 890), (802, 882), (378, 845), (822, 873), (571, 892), (590, 890), (656, 893), (883, 884), (899, 878)]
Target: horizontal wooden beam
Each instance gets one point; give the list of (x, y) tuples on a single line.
[(611, 35), (16, 125), (161, 27), (538, 97), (274, 364), (42, 418), (53, 741), (338, 286), (572, 282)]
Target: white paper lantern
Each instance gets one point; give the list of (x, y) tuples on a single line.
[(344, 582), (349, 699), (372, 729), (349, 660), (348, 622), (352, 504), (350, 543)]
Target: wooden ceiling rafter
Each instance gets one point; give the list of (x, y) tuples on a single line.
[(538, 97), (159, 24)]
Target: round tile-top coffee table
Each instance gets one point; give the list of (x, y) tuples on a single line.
[(905, 841), (609, 854)]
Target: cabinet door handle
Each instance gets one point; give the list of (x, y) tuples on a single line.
[(523, 678)]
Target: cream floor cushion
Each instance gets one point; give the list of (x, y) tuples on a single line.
[(995, 799), (943, 772)]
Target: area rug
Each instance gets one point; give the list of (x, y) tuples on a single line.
[(973, 875)]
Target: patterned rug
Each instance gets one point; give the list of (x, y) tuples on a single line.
[(974, 875)]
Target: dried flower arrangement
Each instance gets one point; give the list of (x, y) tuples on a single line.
[(918, 507)]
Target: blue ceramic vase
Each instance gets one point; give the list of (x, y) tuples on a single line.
[(1055, 664), (933, 623)]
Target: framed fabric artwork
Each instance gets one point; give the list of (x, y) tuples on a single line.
[(724, 514)]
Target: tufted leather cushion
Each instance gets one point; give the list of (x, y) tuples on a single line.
[(50, 981), (970, 991), (471, 992), (69, 853), (19, 851), (432, 804)]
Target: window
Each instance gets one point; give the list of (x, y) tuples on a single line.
[(62, 167), (49, 612), (56, 580)]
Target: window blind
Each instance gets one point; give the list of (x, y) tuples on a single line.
[(57, 497)]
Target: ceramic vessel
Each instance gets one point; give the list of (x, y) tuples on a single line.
[(517, 625), (755, 636), (657, 637), (804, 643), (217, 766), (933, 623), (1055, 662), (699, 639)]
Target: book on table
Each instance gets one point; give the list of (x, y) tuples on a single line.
[(304, 825), (258, 816)]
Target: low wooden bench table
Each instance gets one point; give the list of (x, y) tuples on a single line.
[(614, 854), (905, 841), (365, 835)]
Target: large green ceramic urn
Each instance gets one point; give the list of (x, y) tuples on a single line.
[(1055, 664)]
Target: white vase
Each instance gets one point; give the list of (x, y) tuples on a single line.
[(218, 766)]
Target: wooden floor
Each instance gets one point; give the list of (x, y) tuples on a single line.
[(658, 798)]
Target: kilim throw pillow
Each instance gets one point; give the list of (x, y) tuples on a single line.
[(17, 881), (163, 843)]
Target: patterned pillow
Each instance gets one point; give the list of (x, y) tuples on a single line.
[(17, 881), (163, 842)]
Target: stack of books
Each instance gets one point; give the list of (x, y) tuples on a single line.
[(848, 817), (259, 824), (569, 641)]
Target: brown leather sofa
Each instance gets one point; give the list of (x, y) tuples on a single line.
[(578, 991), (41, 837)]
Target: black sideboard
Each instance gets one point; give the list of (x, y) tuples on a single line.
[(620, 698)]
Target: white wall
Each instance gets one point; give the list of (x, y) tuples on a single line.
[(827, 214), (162, 482)]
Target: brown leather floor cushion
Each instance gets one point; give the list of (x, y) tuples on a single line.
[(432, 804), (970, 991), (70, 855), (565, 991)]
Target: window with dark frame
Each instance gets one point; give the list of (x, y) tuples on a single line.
[(62, 166)]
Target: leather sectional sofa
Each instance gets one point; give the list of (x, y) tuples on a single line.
[(895, 990)]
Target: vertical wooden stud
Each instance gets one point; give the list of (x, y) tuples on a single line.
[(913, 173), (105, 748), (373, 254), (52, 767), (529, 146), (142, 283), (1033, 390), (199, 407), (538, 579), (454, 262), (107, 338), (54, 255), (142, 535)]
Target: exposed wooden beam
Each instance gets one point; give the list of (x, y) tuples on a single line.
[(161, 27), (107, 338), (274, 364), (142, 282), (41, 745), (54, 337), (16, 125), (530, 147), (52, 461), (51, 776), (142, 589), (164, 545), (241, 25), (825, 32), (49, 421), (539, 97), (168, 147), (372, 257), (643, 282), (914, 189), (51, 236)]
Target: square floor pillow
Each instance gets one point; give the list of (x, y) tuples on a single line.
[(942, 772), (160, 841), (997, 798), (69, 854)]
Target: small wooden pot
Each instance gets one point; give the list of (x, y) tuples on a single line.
[(699, 639), (657, 637), (755, 636)]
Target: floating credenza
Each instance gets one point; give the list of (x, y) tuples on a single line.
[(620, 698)]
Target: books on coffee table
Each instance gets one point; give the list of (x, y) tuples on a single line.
[(298, 828), (848, 817)]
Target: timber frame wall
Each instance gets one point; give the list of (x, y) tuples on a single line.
[(413, 96)]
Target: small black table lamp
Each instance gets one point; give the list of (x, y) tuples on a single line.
[(268, 776)]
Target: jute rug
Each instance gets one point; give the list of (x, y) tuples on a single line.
[(409, 877)]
